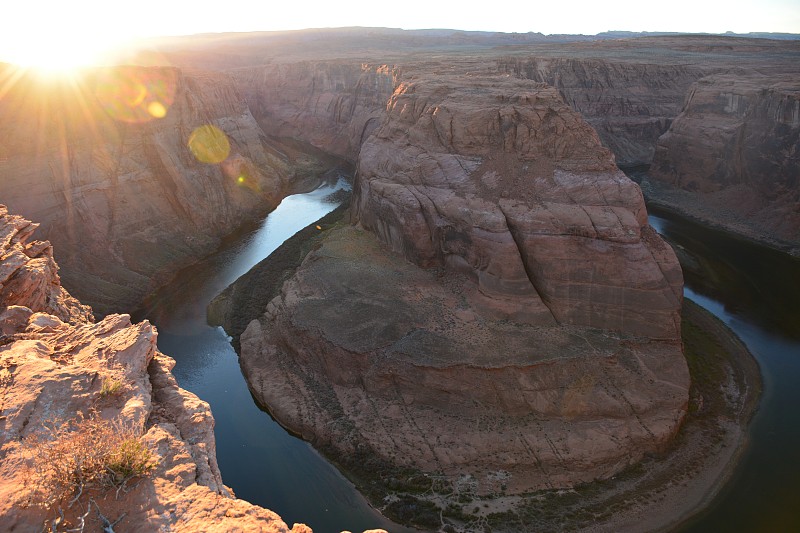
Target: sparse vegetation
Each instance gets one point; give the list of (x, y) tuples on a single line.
[(86, 453), (112, 386)]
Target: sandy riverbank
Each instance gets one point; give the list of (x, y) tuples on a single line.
[(725, 392)]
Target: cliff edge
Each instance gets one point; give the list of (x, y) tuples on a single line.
[(93, 426)]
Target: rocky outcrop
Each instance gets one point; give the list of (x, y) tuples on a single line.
[(333, 105), (29, 274), (104, 163), (500, 311), (55, 369), (735, 147)]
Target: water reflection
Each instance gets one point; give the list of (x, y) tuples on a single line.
[(750, 281), (258, 459), (756, 292)]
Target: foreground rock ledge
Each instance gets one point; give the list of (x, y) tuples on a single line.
[(53, 363), (501, 315)]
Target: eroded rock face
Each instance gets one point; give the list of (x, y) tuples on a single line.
[(505, 183), (629, 103), (115, 185), (53, 365), (735, 145), (29, 275), (333, 105), (500, 310)]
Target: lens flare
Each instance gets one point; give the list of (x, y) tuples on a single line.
[(136, 94), (157, 109), (209, 144)]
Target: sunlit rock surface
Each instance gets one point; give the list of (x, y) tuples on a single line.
[(54, 362)]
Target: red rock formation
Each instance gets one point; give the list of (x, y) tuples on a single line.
[(333, 105), (534, 333), (123, 199), (630, 103), (735, 146), (505, 183), (29, 275), (53, 364)]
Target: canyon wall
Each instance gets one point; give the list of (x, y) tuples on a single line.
[(629, 104), (56, 365), (334, 105), (500, 306), (714, 116), (735, 147), (103, 162)]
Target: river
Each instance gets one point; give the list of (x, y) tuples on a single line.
[(258, 459), (755, 291)]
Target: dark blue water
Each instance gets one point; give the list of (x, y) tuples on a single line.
[(755, 292), (258, 459)]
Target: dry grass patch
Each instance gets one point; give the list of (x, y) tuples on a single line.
[(86, 453), (111, 386)]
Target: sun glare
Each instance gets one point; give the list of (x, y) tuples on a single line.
[(58, 37), (54, 58)]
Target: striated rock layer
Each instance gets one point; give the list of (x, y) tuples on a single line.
[(736, 148), (501, 309), (630, 103), (333, 105), (103, 163), (54, 361)]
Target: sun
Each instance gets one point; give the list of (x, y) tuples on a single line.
[(54, 58), (59, 36)]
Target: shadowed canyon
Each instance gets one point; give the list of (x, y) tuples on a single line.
[(489, 320)]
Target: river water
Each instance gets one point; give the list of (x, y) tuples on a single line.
[(755, 291), (259, 460)]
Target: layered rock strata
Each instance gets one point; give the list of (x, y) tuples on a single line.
[(629, 103), (500, 311), (735, 152), (103, 162), (55, 364), (333, 105)]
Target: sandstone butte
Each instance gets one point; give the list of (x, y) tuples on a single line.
[(53, 360), (499, 308)]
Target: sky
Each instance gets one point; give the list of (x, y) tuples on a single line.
[(63, 28)]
